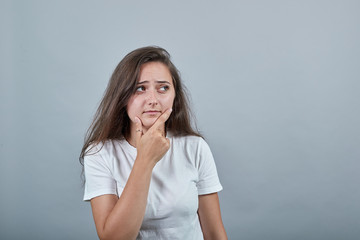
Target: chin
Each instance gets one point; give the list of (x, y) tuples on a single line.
[(148, 122)]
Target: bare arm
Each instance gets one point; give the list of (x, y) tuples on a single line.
[(121, 218), (210, 217)]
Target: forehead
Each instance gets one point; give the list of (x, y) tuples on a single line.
[(155, 71)]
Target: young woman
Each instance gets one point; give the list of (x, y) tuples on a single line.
[(148, 174)]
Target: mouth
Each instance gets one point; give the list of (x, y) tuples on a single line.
[(152, 112)]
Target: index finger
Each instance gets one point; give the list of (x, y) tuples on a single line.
[(139, 131), (162, 119)]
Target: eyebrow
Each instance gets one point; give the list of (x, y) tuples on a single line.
[(155, 81)]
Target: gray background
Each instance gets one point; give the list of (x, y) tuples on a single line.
[(274, 85)]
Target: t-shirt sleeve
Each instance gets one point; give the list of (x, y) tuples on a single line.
[(98, 176), (208, 178)]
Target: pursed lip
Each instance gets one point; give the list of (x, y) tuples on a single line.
[(152, 111)]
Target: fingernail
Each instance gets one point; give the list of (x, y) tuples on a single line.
[(136, 119), (170, 110)]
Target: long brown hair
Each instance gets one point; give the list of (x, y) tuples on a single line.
[(111, 120)]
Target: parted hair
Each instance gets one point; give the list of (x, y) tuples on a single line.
[(111, 121)]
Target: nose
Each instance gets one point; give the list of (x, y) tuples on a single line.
[(151, 98)]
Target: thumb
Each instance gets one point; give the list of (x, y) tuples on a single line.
[(139, 131)]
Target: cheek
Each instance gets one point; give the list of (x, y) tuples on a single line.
[(168, 101), (133, 107)]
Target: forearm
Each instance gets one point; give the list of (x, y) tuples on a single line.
[(126, 217)]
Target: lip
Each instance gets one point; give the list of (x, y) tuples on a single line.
[(152, 111)]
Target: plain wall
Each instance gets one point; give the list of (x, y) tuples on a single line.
[(275, 86)]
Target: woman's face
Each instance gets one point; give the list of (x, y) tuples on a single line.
[(155, 94)]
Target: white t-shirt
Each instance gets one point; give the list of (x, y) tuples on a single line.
[(186, 171)]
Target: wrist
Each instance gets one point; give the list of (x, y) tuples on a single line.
[(144, 163)]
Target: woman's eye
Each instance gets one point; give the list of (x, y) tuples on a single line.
[(140, 89), (164, 88)]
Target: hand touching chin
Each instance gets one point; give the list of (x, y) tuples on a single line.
[(148, 122)]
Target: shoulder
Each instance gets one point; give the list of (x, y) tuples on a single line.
[(102, 155), (103, 148)]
